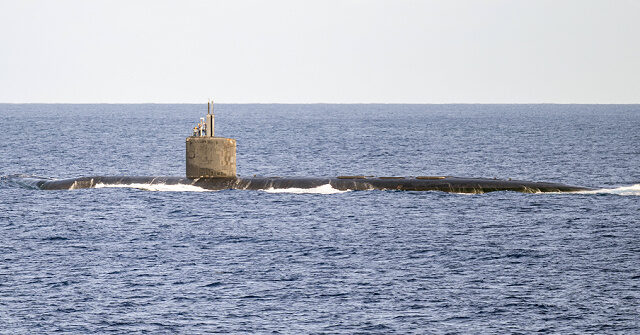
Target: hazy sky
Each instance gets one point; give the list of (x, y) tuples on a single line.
[(320, 51)]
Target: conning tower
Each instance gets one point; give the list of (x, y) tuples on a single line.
[(209, 156)]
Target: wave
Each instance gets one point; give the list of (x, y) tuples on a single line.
[(322, 189), (21, 181), (623, 190), (156, 187), (633, 190)]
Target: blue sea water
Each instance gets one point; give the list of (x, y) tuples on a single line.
[(129, 260)]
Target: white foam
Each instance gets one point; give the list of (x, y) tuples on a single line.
[(322, 189), (624, 190), (156, 187), (633, 190)]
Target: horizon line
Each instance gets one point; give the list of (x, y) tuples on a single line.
[(322, 103)]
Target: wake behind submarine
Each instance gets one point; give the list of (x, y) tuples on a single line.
[(211, 165)]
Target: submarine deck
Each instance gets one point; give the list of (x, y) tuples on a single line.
[(355, 183)]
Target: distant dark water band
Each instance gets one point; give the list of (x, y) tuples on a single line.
[(343, 183)]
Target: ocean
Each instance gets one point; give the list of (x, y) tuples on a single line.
[(178, 259)]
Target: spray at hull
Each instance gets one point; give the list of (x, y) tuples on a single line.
[(343, 183)]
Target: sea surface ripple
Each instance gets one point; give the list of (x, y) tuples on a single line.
[(129, 260)]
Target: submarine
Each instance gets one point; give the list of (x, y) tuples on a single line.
[(341, 183), (211, 165)]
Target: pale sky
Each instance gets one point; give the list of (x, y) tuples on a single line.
[(494, 51)]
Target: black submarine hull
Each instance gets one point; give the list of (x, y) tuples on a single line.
[(343, 183)]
